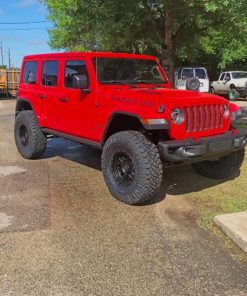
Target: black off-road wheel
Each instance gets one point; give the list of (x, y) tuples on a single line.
[(29, 139), (132, 167), (224, 167)]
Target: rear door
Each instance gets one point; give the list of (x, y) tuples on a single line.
[(225, 84), (184, 74), (219, 85), (48, 91)]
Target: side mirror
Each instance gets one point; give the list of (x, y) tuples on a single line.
[(80, 81)]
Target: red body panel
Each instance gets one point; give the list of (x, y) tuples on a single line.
[(86, 115)]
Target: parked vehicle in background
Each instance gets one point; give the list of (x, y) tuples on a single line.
[(232, 83), (196, 79), (123, 104)]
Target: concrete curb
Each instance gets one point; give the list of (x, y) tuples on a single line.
[(235, 226)]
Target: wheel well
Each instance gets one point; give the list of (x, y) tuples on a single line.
[(123, 122), (22, 105), (232, 86)]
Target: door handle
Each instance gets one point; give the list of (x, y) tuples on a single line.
[(41, 96), (64, 100)]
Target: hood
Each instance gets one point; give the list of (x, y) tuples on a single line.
[(165, 96)]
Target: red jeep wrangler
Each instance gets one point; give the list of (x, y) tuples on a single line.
[(123, 104)]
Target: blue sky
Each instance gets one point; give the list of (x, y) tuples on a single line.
[(20, 42)]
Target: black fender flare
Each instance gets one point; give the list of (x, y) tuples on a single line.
[(147, 127), (21, 101)]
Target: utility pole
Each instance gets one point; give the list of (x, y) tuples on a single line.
[(1, 49), (9, 60)]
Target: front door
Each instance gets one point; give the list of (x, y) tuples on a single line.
[(76, 106), (219, 85)]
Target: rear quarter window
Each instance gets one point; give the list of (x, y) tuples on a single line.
[(30, 72), (200, 73)]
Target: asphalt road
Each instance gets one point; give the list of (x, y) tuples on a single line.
[(62, 233)]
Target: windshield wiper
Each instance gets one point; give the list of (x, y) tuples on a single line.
[(120, 82), (147, 82)]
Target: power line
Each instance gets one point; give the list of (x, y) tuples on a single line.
[(26, 29), (24, 23)]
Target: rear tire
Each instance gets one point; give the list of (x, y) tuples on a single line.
[(29, 139), (212, 90), (224, 167), (131, 167)]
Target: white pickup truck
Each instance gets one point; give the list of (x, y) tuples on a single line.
[(233, 84)]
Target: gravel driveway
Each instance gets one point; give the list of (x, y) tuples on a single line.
[(62, 233)]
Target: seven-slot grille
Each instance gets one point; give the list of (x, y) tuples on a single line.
[(203, 117)]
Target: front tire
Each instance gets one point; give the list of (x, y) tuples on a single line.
[(224, 167), (29, 139), (233, 94), (131, 167)]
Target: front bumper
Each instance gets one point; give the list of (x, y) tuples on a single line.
[(189, 150), (243, 91)]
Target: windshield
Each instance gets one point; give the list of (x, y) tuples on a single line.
[(238, 75), (124, 71)]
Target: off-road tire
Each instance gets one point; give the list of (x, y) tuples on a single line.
[(225, 167), (29, 139), (233, 94), (193, 84), (146, 163)]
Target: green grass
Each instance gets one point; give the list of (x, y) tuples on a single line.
[(227, 197)]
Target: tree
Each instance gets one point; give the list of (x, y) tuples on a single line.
[(173, 30)]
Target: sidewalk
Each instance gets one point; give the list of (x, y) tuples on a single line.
[(235, 226)]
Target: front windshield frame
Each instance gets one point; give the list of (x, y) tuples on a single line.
[(235, 75), (158, 77)]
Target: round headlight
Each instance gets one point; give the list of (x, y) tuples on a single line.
[(177, 116), (226, 111)]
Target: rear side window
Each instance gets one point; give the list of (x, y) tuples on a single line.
[(29, 72), (73, 69), (187, 73), (200, 73), (49, 73)]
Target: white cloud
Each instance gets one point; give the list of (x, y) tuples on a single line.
[(26, 3)]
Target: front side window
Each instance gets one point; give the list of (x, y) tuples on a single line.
[(50, 73), (124, 71), (222, 76), (74, 70), (227, 76), (29, 72)]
